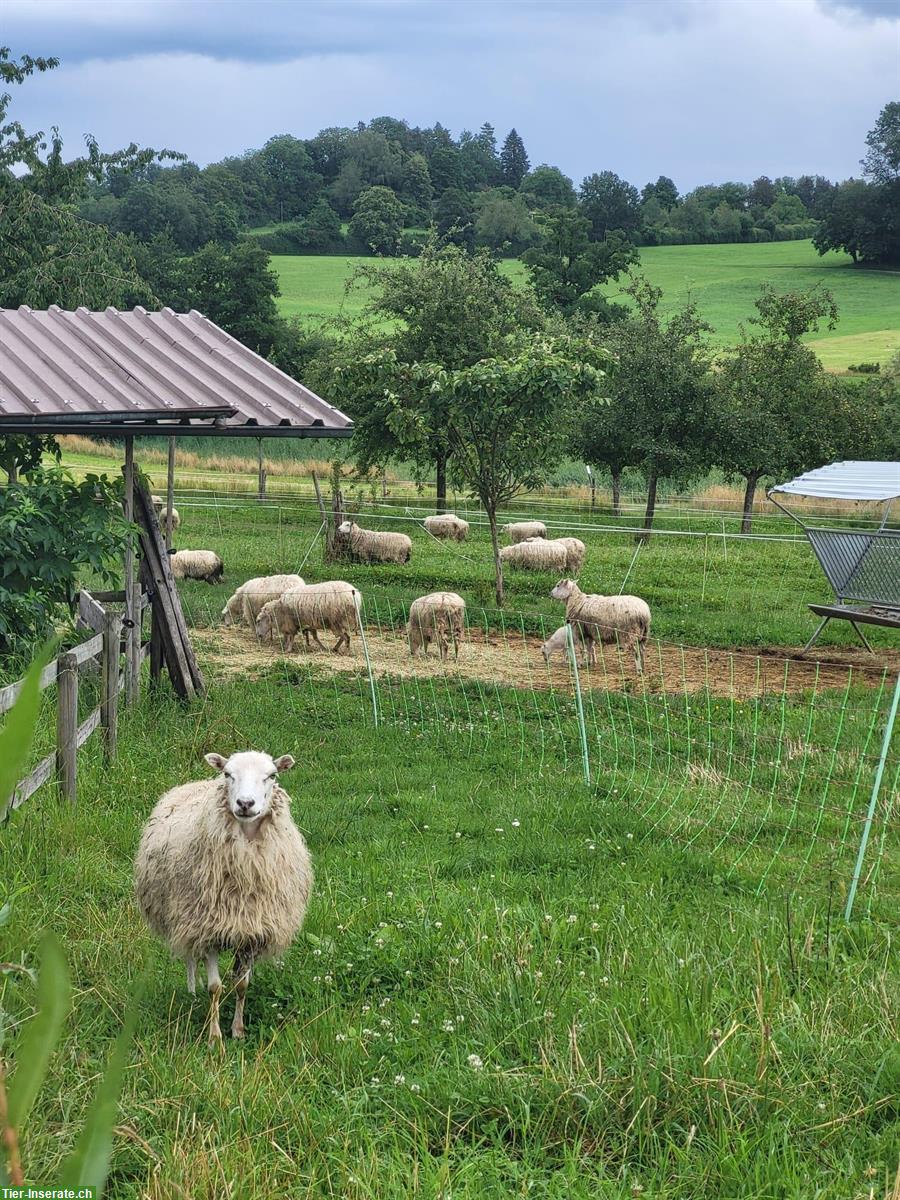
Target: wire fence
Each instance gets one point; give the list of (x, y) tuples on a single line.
[(764, 766)]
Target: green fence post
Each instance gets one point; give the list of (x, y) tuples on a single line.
[(579, 707), (876, 787)]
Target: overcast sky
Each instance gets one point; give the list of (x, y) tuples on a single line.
[(701, 90)]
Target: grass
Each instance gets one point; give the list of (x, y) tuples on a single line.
[(509, 983), (723, 279)]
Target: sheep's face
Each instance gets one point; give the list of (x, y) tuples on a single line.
[(250, 779), (563, 589), (345, 527), (265, 624)]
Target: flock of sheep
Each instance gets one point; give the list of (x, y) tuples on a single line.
[(221, 866)]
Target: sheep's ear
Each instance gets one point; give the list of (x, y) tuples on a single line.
[(216, 760), (284, 763)]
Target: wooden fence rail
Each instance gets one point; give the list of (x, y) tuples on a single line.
[(105, 644)]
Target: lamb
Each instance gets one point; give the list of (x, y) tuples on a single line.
[(535, 554), (447, 525), (335, 606), (518, 531), (624, 620), (246, 603), (222, 866), (369, 546), (557, 641), (158, 505), (439, 617), (197, 564)]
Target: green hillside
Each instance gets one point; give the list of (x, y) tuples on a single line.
[(724, 279)]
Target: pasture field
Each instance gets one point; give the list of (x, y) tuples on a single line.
[(510, 982), (723, 279)]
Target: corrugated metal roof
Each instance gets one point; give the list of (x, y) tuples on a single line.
[(87, 367), (860, 480)]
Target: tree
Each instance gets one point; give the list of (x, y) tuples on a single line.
[(507, 421), (546, 187), (455, 219), (726, 223), (609, 203), (761, 194), (503, 222), (882, 161), (416, 187), (446, 308), (660, 384), (568, 264), (514, 162), (774, 405), (603, 437), (321, 231), (377, 220), (664, 190), (236, 288)]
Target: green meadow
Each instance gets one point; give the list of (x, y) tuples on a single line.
[(723, 279)]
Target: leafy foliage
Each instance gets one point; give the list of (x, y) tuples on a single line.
[(568, 265), (51, 530)]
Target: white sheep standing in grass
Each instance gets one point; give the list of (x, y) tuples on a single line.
[(247, 602), (335, 606), (197, 564), (162, 516), (221, 866), (557, 642), (518, 531), (440, 617), (620, 620), (447, 525), (535, 554), (371, 546), (575, 550)]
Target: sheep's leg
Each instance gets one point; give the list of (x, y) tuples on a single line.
[(243, 965), (639, 656), (343, 639), (214, 987), (317, 640), (191, 964)]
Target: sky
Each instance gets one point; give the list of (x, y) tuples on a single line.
[(700, 90)]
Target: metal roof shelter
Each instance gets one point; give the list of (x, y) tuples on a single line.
[(117, 373), (862, 566)]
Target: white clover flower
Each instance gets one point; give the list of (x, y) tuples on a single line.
[(415, 1087), (448, 1026), (475, 1062), (399, 1080), (572, 918), (340, 1037), (516, 824)]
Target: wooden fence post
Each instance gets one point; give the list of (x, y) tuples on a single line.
[(67, 724), (261, 465), (109, 683), (132, 591)]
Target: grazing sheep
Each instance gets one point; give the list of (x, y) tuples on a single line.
[(624, 620), (535, 554), (447, 525), (246, 603), (518, 531), (557, 641), (334, 606), (436, 617), (575, 552), (222, 866), (158, 506), (369, 546), (197, 564)]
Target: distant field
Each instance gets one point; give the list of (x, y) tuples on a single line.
[(723, 279)]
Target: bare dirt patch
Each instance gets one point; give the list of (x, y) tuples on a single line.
[(516, 661)]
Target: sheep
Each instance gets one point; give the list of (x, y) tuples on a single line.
[(518, 531), (246, 603), (334, 606), (536, 554), (574, 548), (222, 866), (447, 525), (197, 564), (575, 552), (436, 617), (158, 505), (370, 547), (559, 641), (606, 619)]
